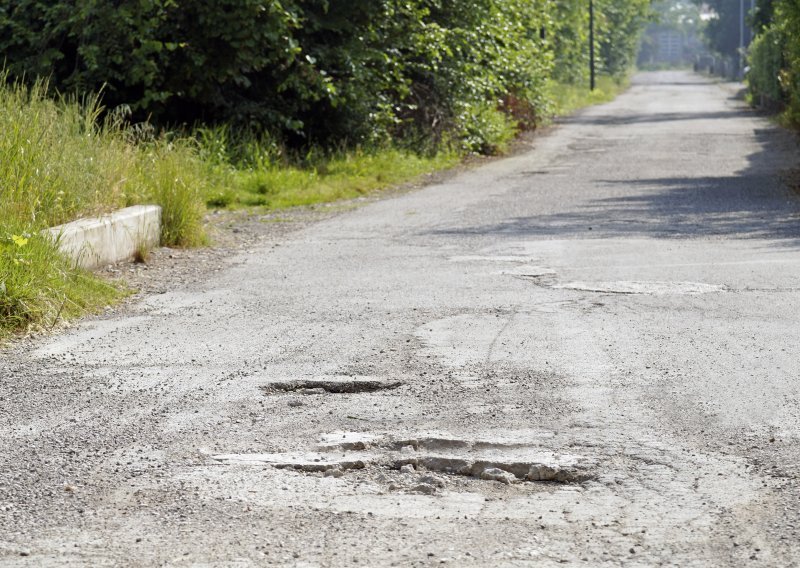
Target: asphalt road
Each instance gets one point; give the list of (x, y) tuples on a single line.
[(585, 354)]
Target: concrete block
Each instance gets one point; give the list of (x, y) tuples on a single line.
[(99, 241)]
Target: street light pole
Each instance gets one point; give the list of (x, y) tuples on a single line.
[(741, 38), (591, 45)]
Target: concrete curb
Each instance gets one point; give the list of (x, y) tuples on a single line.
[(99, 241)]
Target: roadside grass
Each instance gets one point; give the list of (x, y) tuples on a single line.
[(39, 287), (59, 161), (344, 175), (569, 98)]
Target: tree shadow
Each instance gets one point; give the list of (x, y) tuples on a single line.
[(615, 120), (753, 204)]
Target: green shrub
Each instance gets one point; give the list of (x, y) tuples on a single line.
[(775, 58), (330, 73), (766, 65), (486, 129)]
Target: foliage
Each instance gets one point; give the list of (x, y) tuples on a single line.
[(787, 20), (766, 65), (619, 28), (322, 72), (774, 57), (723, 31)]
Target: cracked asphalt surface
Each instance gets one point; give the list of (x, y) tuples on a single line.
[(596, 342)]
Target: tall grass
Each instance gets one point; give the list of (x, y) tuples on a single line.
[(60, 160)]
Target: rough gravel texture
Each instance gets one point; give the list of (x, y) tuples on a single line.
[(596, 340)]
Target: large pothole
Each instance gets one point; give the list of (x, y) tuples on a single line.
[(344, 385), (486, 460)]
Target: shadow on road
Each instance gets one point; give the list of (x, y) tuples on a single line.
[(753, 204), (611, 120)]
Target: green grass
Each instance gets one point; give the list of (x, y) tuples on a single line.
[(568, 98), (323, 180), (39, 287), (60, 161)]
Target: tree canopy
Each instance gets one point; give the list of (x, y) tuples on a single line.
[(320, 71)]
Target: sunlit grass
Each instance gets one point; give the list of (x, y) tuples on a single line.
[(342, 176), (40, 288), (568, 98), (59, 160)]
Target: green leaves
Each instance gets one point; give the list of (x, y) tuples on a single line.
[(774, 58), (328, 72)]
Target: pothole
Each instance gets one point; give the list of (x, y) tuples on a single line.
[(530, 272), (312, 462), (492, 469), (506, 462), (331, 385), (643, 287), (491, 460)]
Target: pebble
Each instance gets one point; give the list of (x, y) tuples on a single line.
[(496, 474), (434, 480), (408, 468), (334, 472), (425, 489)]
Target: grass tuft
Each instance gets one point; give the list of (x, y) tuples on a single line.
[(39, 287)]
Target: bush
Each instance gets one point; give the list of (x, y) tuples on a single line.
[(775, 58), (318, 72), (766, 65)]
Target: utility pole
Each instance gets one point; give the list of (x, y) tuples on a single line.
[(591, 45), (741, 39)]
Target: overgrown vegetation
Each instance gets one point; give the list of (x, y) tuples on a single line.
[(59, 161), (773, 57), (324, 73), (259, 103)]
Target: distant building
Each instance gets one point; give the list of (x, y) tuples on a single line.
[(669, 46)]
